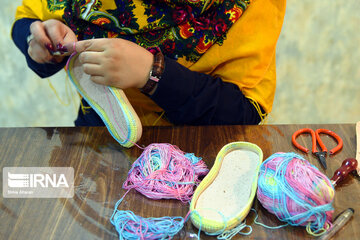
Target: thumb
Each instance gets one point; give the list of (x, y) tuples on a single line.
[(71, 46), (84, 45)]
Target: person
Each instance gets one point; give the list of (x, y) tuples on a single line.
[(218, 55)]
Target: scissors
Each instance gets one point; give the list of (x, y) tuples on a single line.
[(321, 155)]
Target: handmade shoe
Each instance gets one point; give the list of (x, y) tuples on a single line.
[(110, 103), (224, 198)]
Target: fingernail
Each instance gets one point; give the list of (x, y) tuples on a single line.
[(62, 49), (59, 46), (49, 47)]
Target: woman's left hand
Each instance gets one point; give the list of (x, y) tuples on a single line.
[(115, 62)]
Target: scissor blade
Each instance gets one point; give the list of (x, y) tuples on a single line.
[(322, 158)]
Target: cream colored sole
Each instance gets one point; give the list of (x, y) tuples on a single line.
[(224, 198)]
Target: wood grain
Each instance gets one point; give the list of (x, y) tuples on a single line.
[(101, 166)]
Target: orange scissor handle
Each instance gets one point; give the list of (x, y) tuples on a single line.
[(334, 135), (304, 130)]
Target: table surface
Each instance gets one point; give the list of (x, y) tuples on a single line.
[(101, 166)]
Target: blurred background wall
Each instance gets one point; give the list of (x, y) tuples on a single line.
[(318, 73)]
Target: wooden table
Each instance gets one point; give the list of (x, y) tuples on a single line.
[(101, 166)]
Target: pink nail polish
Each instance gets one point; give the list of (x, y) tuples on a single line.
[(49, 47), (62, 49)]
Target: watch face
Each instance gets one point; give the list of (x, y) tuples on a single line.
[(154, 78), (155, 74)]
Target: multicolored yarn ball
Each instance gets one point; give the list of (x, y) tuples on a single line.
[(296, 192), (163, 171)]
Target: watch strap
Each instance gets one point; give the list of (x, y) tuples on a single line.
[(155, 73)]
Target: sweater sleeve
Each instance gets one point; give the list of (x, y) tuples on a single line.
[(195, 98), (20, 31)]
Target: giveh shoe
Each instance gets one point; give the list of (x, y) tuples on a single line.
[(224, 198), (110, 103)]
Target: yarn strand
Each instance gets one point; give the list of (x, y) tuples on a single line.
[(130, 226)]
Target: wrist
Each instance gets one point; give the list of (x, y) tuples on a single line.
[(146, 68)]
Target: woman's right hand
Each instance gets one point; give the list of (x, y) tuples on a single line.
[(47, 36)]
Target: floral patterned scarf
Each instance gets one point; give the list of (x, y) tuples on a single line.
[(181, 28)]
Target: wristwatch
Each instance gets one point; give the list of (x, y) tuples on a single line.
[(155, 72)]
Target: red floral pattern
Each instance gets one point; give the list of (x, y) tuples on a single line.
[(180, 28)]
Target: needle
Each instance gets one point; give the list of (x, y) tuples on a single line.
[(339, 222)]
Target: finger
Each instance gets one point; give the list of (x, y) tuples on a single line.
[(60, 34), (70, 36), (98, 79), (69, 39), (57, 59), (55, 33), (90, 57), (38, 31), (93, 69), (39, 53)]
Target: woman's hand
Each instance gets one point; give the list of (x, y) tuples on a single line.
[(115, 62), (50, 35)]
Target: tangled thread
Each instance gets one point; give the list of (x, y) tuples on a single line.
[(163, 171), (130, 226)]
